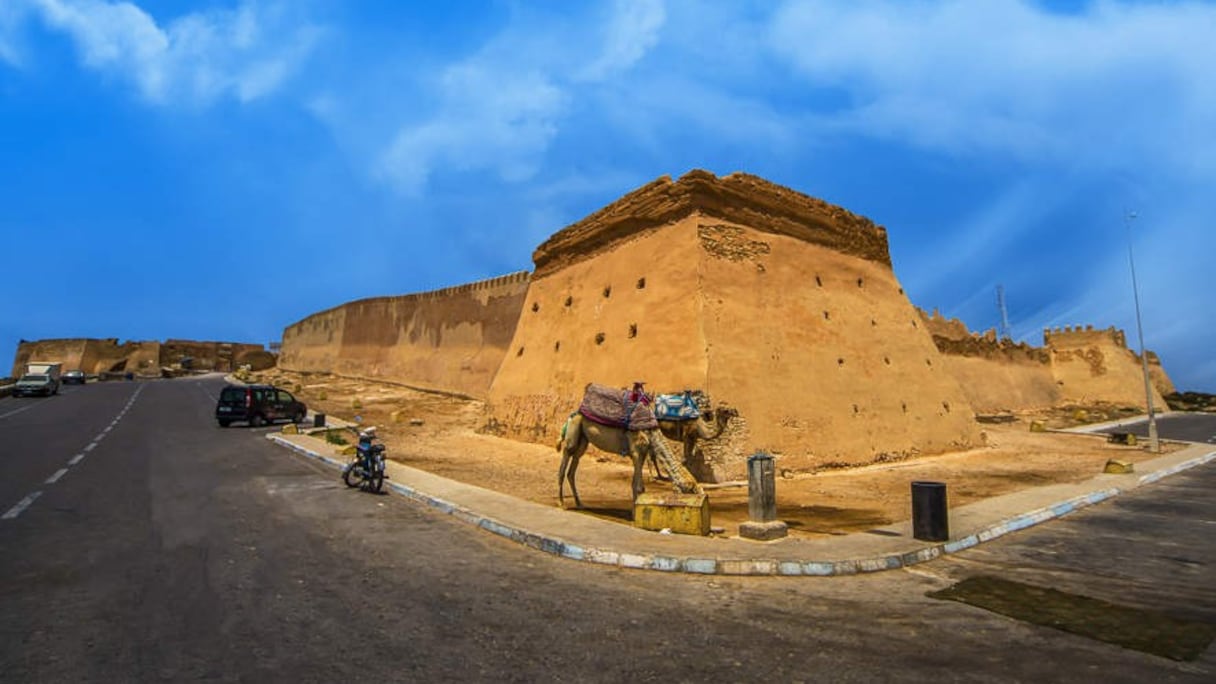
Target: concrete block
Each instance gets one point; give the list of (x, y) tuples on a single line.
[(1038, 426), (291, 429), (1118, 467), (680, 513)]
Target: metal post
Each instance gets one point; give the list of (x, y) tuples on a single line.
[(761, 488), (1154, 444), (762, 501)]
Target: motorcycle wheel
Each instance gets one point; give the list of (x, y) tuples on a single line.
[(350, 477), (375, 482)]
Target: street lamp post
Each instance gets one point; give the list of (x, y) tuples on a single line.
[(1154, 444)]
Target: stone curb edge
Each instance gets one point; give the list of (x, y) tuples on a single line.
[(755, 567)]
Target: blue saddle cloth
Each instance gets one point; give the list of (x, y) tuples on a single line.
[(676, 407)]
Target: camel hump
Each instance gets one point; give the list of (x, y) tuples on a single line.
[(616, 407)]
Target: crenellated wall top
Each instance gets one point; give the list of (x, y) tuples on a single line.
[(1078, 336), (476, 286), (739, 197)]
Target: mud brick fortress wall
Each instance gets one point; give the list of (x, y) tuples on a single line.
[(1075, 365), (100, 355), (778, 305), (450, 340), (996, 375), (1096, 365)]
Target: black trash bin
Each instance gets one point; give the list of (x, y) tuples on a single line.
[(318, 420), (929, 516)]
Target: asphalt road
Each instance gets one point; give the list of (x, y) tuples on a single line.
[(174, 550), (1186, 427)]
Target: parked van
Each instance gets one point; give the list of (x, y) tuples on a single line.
[(257, 405)]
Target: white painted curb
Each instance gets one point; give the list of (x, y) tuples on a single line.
[(754, 567)]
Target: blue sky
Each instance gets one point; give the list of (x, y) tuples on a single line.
[(220, 169)]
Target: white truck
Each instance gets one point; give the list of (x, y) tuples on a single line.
[(40, 377)]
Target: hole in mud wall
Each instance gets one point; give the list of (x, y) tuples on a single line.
[(840, 361), (904, 405), (946, 405), (886, 360), (860, 282), (901, 290), (913, 322), (827, 316), (856, 409), (873, 323), (520, 352), (557, 346), (569, 300), (607, 292), (641, 283), (599, 338), (535, 307), (929, 362), (633, 330), (818, 280)]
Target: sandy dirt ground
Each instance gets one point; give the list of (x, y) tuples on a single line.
[(439, 433)]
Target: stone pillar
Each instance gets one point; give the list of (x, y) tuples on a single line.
[(762, 501)]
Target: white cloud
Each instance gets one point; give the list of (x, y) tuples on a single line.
[(1102, 86), (632, 30), (501, 108), (487, 119), (12, 15), (246, 53)]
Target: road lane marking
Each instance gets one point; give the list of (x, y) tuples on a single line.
[(76, 459), (21, 506), (58, 474), (91, 446), (108, 428), (23, 408)]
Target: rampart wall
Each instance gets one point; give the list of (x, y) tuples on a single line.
[(1096, 366), (100, 355), (819, 351), (450, 340)]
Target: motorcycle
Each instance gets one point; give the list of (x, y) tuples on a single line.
[(366, 471)]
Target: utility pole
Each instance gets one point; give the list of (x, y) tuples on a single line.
[(1154, 444)]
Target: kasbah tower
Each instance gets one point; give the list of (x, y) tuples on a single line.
[(777, 305)]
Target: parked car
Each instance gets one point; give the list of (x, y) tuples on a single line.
[(73, 377), (257, 405), (38, 384)]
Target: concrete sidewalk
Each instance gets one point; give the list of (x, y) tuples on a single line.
[(586, 538)]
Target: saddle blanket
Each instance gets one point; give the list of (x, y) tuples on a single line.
[(676, 407), (617, 407)]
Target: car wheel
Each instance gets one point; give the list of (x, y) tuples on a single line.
[(257, 420), (225, 423)]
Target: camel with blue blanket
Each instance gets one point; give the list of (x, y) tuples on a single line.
[(621, 422), (682, 419)]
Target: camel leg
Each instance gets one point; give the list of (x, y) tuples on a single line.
[(569, 446), (572, 450), (578, 453), (639, 458), (561, 476)]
